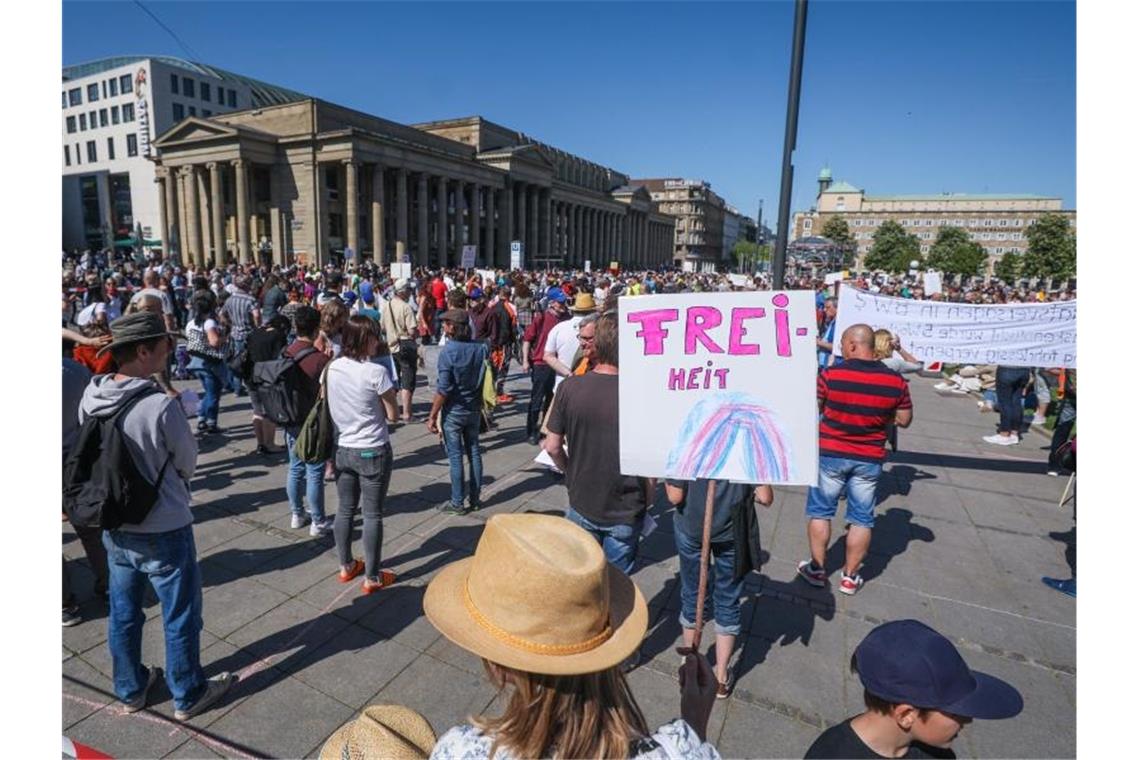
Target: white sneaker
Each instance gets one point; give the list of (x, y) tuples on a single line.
[(1000, 440), (320, 527), (298, 522), (1038, 420)]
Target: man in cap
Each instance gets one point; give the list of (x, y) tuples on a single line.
[(398, 319), (533, 359), (919, 693), (562, 343), (160, 550), (459, 398)]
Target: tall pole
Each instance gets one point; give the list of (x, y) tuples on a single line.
[(779, 256)]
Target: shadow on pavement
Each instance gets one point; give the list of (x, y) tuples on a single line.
[(898, 480), (969, 463), (893, 532)]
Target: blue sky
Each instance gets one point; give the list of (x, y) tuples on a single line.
[(903, 97)]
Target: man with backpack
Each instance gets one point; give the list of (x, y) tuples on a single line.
[(129, 473), (311, 364)]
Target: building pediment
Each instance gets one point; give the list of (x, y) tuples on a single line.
[(525, 155), (195, 129)]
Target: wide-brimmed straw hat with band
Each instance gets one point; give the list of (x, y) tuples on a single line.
[(538, 596), (391, 732)]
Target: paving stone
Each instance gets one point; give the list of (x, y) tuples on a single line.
[(229, 607), (750, 731), (193, 750), (353, 665), (85, 690), (444, 695), (153, 648), (286, 634), (119, 734), (399, 617)]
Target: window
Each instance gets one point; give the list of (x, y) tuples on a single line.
[(232, 99), (82, 122), (1030, 222), (207, 113), (64, 93), (807, 224), (128, 112), (102, 117), (104, 89), (986, 235), (114, 114), (92, 156), (174, 83), (925, 248), (125, 83), (204, 89), (193, 111), (78, 159), (113, 86), (929, 222), (1003, 223), (92, 93), (1015, 236), (988, 223), (74, 97), (1016, 222), (221, 96), (91, 119), (132, 144), (67, 155), (1001, 236), (179, 112), (110, 148), (331, 184), (70, 125), (188, 87), (858, 222)]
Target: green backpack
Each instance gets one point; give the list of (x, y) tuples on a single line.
[(315, 438)]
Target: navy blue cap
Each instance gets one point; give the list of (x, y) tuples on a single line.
[(907, 662)]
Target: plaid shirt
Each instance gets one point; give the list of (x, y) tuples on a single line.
[(239, 308)]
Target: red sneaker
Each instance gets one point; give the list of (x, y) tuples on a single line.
[(815, 577), (387, 578), (850, 584), (355, 569), (505, 398)]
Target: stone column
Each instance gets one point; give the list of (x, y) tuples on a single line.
[(563, 250), (351, 212), (203, 197), (520, 233), (379, 251), (194, 233), (576, 230), (422, 210), (276, 226), (473, 216), (623, 252), (441, 221), (460, 223), (218, 213), (532, 223), (163, 215), (402, 214), (508, 219), (242, 194), (171, 237), (644, 238), (489, 203), (547, 222)]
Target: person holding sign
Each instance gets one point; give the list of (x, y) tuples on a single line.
[(729, 568), (858, 399)]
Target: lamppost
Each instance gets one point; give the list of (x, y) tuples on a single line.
[(790, 127)]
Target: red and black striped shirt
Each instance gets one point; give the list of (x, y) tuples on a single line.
[(859, 398)]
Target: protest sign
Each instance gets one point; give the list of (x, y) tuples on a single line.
[(1013, 335), (516, 254), (719, 385), (485, 275), (468, 260), (739, 280), (834, 277), (401, 269), (932, 282)]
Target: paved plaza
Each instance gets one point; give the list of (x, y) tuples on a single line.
[(964, 532)]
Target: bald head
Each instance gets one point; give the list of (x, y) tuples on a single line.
[(858, 342)]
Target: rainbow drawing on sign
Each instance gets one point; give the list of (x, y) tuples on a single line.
[(724, 424)]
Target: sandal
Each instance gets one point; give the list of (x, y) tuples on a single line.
[(355, 569), (723, 690), (387, 578)]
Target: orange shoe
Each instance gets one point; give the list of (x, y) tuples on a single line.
[(387, 578), (355, 569), (505, 398)]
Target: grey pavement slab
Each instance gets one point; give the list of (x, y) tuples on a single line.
[(964, 532)]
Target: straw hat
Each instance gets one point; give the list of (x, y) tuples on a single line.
[(538, 596), (584, 302), (135, 328), (381, 731)]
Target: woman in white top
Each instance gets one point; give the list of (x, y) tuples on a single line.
[(886, 345), (206, 344), (357, 390)]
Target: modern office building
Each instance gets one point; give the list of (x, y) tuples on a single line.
[(997, 222), (318, 181), (113, 109)]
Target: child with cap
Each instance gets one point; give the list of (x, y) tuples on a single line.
[(919, 693)]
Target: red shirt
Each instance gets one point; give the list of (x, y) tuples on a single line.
[(859, 398), (537, 332), (439, 293)]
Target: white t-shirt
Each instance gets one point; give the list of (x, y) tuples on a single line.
[(354, 390), (167, 306), (563, 343)]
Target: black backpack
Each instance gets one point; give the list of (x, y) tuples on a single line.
[(102, 486), (280, 391)]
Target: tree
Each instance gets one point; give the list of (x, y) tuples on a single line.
[(836, 230), (747, 254), (1008, 267), (893, 249), (1052, 251), (954, 253)]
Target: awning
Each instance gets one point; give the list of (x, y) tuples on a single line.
[(131, 242)]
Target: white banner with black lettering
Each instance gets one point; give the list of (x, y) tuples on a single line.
[(1013, 335)]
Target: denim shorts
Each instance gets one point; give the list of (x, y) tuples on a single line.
[(860, 480)]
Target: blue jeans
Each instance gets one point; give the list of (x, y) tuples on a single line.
[(461, 436), (169, 563), (1010, 383), (858, 477), (233, 381), (211, 373), (619, 542), (722, 603), (311, 476)]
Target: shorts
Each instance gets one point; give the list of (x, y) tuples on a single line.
[(406, 359), (859, 478)]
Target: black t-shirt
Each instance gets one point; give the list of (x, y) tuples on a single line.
[(265, 345), (691, 514), (840, 741), (585, 410)]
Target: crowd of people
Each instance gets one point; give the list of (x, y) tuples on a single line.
[(338, 352)]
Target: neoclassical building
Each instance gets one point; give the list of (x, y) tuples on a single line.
[(305, 180)]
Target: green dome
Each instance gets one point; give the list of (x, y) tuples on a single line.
[(825, 173)]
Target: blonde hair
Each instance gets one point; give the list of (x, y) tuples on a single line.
[(883, 344), (587, 715)]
